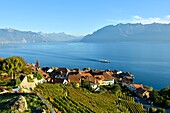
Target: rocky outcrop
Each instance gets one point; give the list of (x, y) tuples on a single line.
[(20, 105)]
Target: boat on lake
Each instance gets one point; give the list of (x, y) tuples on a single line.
[(104, 61)]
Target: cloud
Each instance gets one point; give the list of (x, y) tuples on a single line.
[(167, 17), (149, 20), (139, 19)]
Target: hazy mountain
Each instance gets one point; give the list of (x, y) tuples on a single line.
[(130, 32), (16, 36)]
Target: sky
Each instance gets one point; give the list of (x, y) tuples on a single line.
[(79, 17)]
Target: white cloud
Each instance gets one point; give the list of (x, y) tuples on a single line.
[(167, 17), (139, 19)]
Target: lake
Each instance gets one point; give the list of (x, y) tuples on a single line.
[(148, 62)]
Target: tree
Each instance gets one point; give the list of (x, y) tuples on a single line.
[(13, 65), (116, 89), (38, 75), (167, 103), (85, 84), (160, 110), (149, 88), (1, 61)]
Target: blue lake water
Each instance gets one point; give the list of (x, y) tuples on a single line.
[(148, 62)]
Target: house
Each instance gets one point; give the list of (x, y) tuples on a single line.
[(96, 72), (139, 90), (117, 72), (118, 78), (44, 74), (81, 76), (95, 78), (133, 87), (75, 78), (108, 78), (28, 84), (49, 70), (127, 79), (60, 73), (99, 79), (143, 93), (74, 72)]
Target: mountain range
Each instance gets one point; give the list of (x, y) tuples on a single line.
[(111, 33), (130, 32), (15, 36)]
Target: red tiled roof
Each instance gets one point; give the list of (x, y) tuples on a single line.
[(74, 78), (137, 86), (108, 76), (100, 77), (84, 74), (45, 75)]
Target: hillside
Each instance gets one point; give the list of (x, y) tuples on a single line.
[(68, 99), (130, 32), (16, 36)]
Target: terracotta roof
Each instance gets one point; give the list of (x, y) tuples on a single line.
[(74, 78), (91, 79), (96, 72), (137, 86), (84, 74), (45, 75), (108, 76), (100, 77)]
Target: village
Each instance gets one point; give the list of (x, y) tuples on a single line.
[(92, 79), (95, 78)]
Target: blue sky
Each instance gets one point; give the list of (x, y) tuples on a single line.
[(79, 17)]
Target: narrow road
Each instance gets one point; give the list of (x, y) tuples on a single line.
[(46, 103)]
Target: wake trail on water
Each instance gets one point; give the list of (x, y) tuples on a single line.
[(64, 56)]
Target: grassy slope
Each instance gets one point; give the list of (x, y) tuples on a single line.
[(32, 100), (69, 99)]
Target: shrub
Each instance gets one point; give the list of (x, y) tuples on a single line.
[(167, 103), (29, 79), (38, 75)]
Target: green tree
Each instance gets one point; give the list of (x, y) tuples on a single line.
[(149, 88), (38, 75), (167, 103), (13, 65), (116, 89), (1, 61), (85, 84), (160, 110)]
